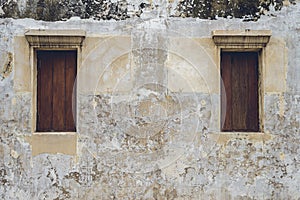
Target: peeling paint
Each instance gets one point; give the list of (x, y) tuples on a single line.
[(7, 68)]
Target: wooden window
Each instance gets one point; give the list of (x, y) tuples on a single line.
[(239, 96), (56, 94)]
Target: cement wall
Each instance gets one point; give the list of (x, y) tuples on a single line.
[(148, 114)]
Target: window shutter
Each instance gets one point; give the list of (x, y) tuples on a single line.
[(239, 96), (56, 78), (70, 98), (44, 92)]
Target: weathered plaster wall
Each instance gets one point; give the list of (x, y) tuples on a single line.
[(148, 113)]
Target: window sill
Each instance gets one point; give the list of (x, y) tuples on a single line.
[(53, 143), (224, 137)]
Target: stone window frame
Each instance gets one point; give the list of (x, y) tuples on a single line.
[(244, 41), (52, 142)]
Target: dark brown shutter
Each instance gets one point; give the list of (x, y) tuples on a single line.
[(70, 110), (44, 92), (239, 96), (55, 82)]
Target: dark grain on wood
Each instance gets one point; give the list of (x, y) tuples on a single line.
[(226, 99), (56, 77), (239, 72), (70, 99), (44, 93)]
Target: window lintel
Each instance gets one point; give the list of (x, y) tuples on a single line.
[(241, 38), (55, 38)]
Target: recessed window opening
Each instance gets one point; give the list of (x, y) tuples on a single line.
[(56, 90), (239, 92)]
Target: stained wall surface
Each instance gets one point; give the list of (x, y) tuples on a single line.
[(148, 114)]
